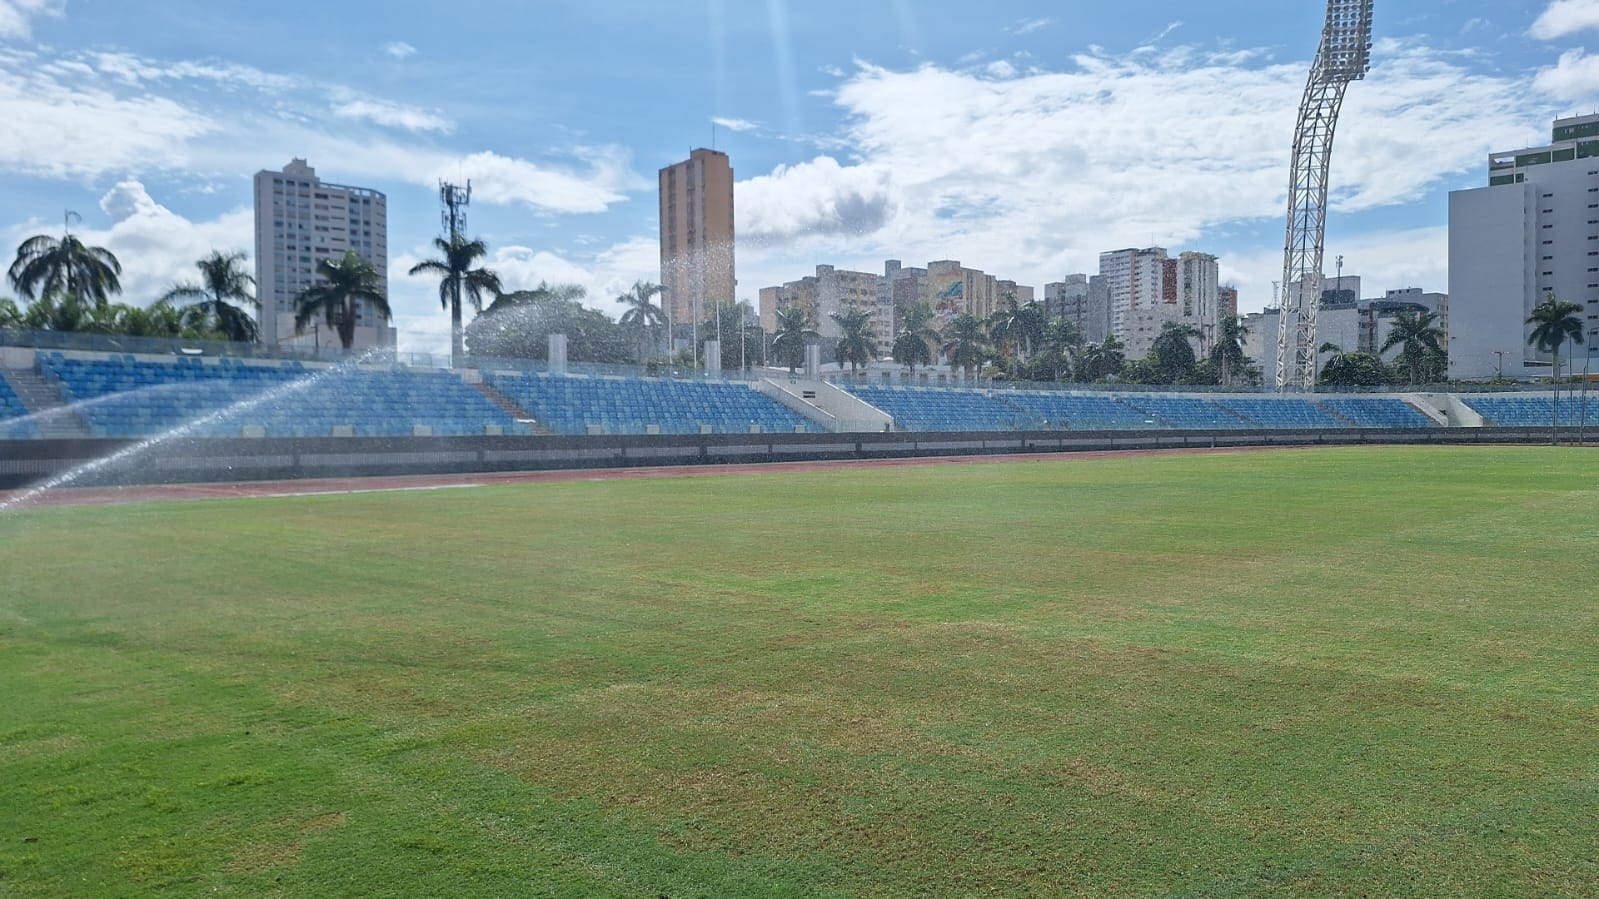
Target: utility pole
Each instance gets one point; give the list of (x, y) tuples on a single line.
[(455, 199)]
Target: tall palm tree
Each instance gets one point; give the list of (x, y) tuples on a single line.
[(1173, 354), (914, 345), (45, 265), (856, 343), (964, 342), (1103, 359), (1228, 353), (341, 287), (456, 277), (1416, 334), (795, 328), (643, 318), (1555, 323), (225, 293)]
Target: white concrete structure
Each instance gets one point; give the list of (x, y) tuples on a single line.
[(1133, 280), (301, 220), (1534, 231)]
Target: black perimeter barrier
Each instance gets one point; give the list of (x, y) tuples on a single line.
[(25, 463)]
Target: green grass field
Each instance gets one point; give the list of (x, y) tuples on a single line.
[(1328, 672)]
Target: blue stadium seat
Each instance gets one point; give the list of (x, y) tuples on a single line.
[(946, 409), (1377, 412), (1187, 413), (578, 405), (1524, 411), (1286, 412)]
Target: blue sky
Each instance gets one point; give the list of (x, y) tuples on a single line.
[(1019, 137)]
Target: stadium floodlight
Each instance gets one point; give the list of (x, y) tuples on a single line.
[(1344, 56)]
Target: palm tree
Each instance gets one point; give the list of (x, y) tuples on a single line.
[(1415, 333), (914, 345), (1173, 354), (341, 286), (45, 265), (1555, 324), (856, 343), (795, 329), (1101, 360), (1228, 353), (964, 343), (457, 276), (10, 315), (642, 317), (224, 292), (1063, 343)]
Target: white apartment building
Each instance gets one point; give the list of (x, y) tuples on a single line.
[(1533, 231), (301, 220), (1147, 289), (831, 290)]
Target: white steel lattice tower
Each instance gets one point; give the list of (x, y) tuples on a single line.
[(1344, 56)]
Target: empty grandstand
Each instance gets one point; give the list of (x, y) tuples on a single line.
[(1187, 412), (1523, 411), (939, 409), (1377, 412), (565, 404), (1077, 412), (11, 411)]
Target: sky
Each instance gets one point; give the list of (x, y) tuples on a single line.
[(1017, 136)]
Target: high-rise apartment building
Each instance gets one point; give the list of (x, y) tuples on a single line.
[(1532, 232), (1082, 300), (301, 220), (696, 237), (1135, 279), (1147, 289), (828, 292), (1226, 301)]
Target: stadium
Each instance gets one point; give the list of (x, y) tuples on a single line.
[(1343, 661)]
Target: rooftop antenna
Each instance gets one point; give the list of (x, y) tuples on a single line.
[(68, 218)]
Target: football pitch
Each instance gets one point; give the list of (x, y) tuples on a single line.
[(1355, 671)]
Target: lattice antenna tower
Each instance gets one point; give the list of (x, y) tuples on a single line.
[(455, 199), (1344, 56)]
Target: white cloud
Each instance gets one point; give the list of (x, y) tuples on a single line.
[(1028, 26), (100, 114), (399, 49), (155, 245), (816, 198), (393, 115), (1574, 77), (16, 15), (1030, 177), (1565, 17), (732, 124)]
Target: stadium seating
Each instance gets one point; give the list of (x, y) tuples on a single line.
[(11, 409), (1280, 413), (1187, 412), (1378, 412), (576, 405), (1525, 411), (938, 409), (127, 398), (1077, 412)]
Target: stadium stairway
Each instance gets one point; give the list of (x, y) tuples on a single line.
[(56, 421), (507, 406)]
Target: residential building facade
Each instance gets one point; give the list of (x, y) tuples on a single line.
[(697, 239), (301, 220)]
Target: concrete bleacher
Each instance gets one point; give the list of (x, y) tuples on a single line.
[(1188, 413), (125, 397), (1523, 411), (1377, 412), (1077, 412), (11, 411), (575, 404), (940, 409), (1288, 412)]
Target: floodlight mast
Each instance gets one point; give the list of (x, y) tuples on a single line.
[(1344, 56)]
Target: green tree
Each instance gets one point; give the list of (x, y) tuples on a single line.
[(1015, 327), (342, 286), (795, 329), (1417, 335), (518, 325), (56, 311), (1228, 353), (856, 345), (459, 276), (728, 320), (46, 265), (1172, 354), (1352, 369), (1102, 360), (1555, 324), (964, 343), (642, 318), (10, 315), (914, 345), (223, 298)]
